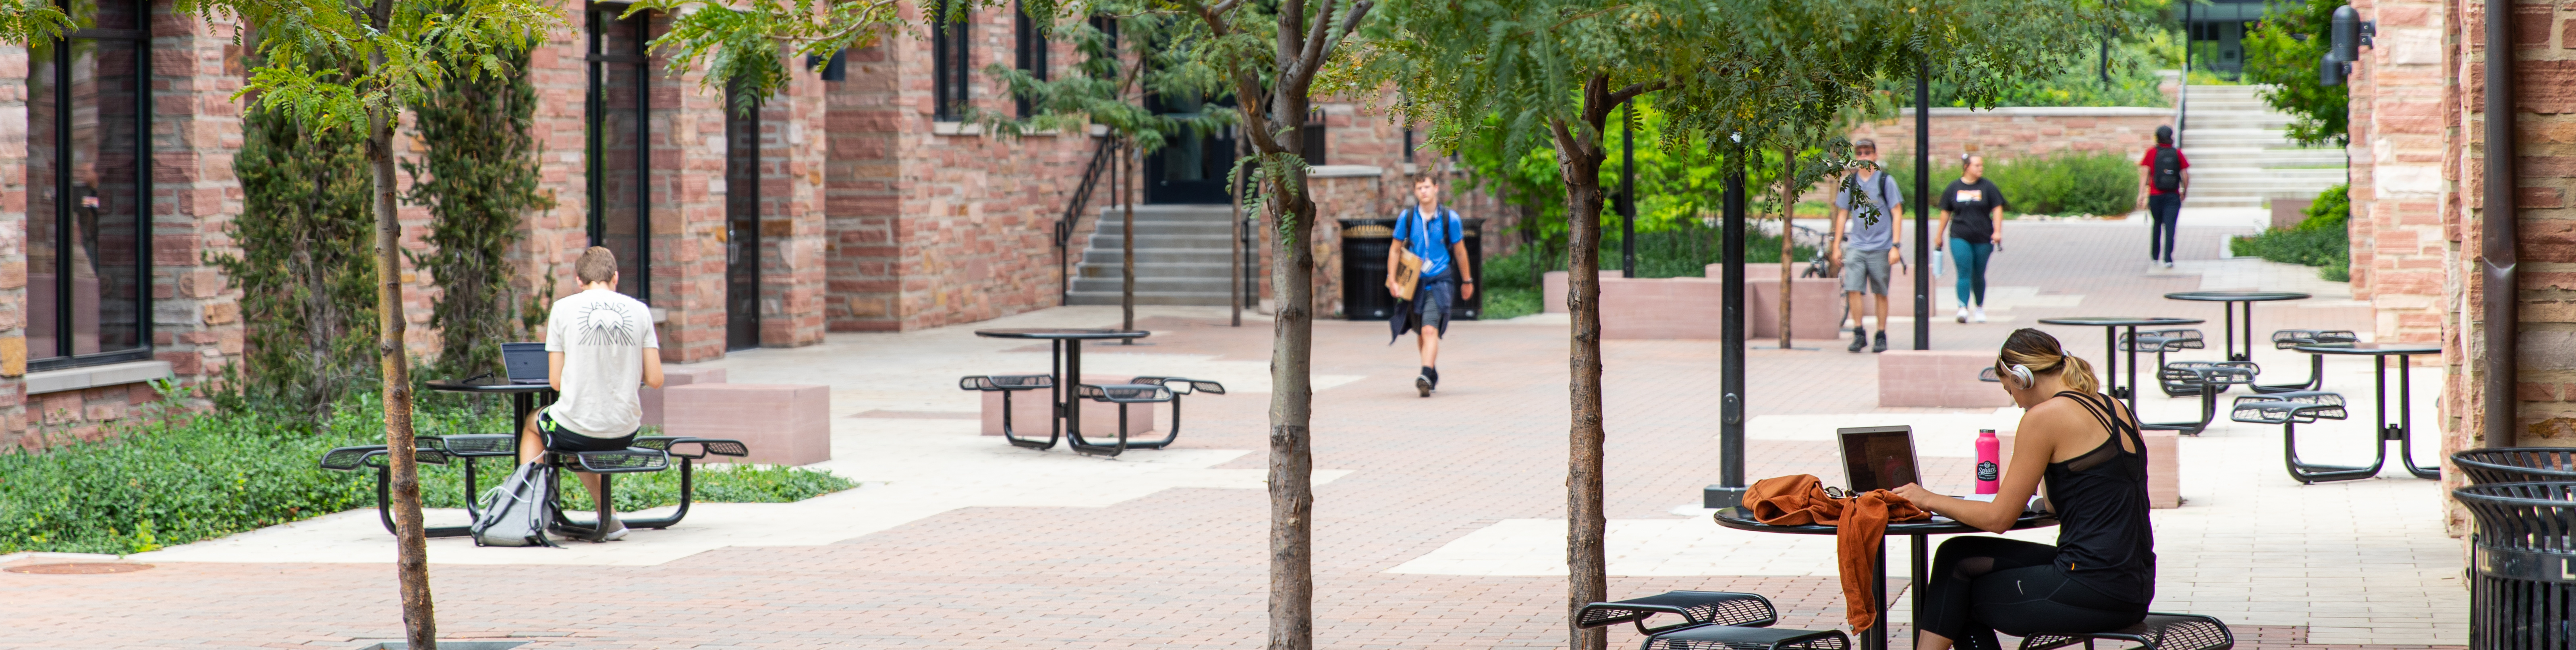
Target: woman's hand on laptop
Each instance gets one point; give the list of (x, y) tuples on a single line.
[(1922, 498)]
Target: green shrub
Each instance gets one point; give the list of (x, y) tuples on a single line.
[(164, 483), (2070, 183), (2323, 239)]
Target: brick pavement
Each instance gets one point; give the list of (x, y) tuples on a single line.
[(1178, 568)]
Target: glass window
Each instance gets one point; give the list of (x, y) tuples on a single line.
[(620, 143), (1030, 47), (949, 64), (88, 216)]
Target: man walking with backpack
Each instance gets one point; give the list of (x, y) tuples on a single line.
[(2164, 176), (1868, 243), (1436, 235)]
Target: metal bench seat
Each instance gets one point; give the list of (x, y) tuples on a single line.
[(2206, 379), (2291, 340), (2162, 342), (428, 450), (1730, 637), (2295, 408), (1695, 607), (1006, 385), (2159, 632), (1987, 374), (646, 454), (1122, 395)]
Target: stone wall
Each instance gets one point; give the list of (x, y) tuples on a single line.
[(2004, 133), (2400, 248)]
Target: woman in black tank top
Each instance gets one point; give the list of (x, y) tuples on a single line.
[(2101, 574)]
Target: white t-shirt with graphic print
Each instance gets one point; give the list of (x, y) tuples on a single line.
[(602, 335)]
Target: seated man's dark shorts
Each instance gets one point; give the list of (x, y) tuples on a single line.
[(1432, 301), (561, 439)]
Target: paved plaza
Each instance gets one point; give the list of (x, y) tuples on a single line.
[(1439, 522)]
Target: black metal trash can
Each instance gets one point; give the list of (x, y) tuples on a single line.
[(2523, 562), (1364, 244), (2517, 464)]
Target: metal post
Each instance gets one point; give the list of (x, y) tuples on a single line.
[(1922, 207), (1628, 192), (1730, 431)]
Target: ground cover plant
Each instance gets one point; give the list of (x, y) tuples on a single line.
[(2323, 240), (164, 482)]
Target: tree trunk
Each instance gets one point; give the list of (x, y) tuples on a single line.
[(1587, 572), (1292, 496), (1127, 247), (411, 547), (1788, 222)]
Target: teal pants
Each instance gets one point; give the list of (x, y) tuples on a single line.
[(1971, 262)]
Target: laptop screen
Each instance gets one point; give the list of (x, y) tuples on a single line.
[(525, 362), (1878, 458)]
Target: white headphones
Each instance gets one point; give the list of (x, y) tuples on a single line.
[(2022, 373)]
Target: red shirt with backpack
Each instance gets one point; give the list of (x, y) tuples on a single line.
[(2164, 178)]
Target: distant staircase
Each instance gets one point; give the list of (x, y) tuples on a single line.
[(2239, 156), (1182, 256)]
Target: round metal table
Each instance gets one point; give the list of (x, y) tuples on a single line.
[(2229, 301), (2404, 431), (2111, 347), (1066, 361), (1876, 637)]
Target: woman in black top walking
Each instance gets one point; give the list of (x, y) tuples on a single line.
[(2101, 574), (1972, 212)]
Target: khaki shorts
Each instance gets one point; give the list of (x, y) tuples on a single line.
[(1864, 270)]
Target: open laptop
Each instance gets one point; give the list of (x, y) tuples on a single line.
[(1877, 458), (525, 362)]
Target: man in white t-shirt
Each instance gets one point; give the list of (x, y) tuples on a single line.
[(600, 347)]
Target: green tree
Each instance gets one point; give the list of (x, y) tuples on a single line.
[(2283, 53), (307, 264), (357, 65), (1742, 75), (478, 175)]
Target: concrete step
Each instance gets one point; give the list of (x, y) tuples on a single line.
[(1156, 270), (1110, 256), (1144, 241), (1215, 284), (1189, 298), (1220, 228)]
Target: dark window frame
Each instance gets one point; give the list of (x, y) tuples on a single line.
[(64, 336), (951, 32), (600, 16), (1029, 45)]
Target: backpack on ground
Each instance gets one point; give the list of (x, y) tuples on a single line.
[(514, 512), (2167, 171)]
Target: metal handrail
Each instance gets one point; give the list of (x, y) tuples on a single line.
[(1100, 157)]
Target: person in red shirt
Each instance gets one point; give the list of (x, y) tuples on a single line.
[(2164, 176)]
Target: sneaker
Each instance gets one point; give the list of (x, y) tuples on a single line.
[(1978, 316), (2168, 264), (1422, 385), (1860, 337), (1963, 314), (1879, 345), (615, 535)]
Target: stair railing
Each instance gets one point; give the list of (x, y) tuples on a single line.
[(1101, 155)]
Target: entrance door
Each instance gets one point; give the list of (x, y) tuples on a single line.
[(1191, 168), (742, 227)]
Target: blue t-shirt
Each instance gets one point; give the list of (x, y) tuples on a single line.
[(1429, 239), (1860, 232)]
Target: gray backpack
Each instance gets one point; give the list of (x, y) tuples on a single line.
[(514, 512)]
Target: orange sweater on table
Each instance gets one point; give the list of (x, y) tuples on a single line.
[(1800, 500)]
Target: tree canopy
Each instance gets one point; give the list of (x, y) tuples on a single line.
[(2283, 54)]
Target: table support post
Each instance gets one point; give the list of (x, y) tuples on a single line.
[(2249, 333), (1875, 638), (2133, 369), (2111, 358), (1055, 393), (1916, 584), (2406, 420), (2228, 331), (1073, 398)]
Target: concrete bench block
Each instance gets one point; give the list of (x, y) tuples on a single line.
[(2164, 465), (1814, 311), (1029, 411), (785, 424), (1937, 378), (673, 377), (1647, 308)]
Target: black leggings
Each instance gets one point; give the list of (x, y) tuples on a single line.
[(1984, 584)]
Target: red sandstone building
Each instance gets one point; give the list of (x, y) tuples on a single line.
[(853, 201)]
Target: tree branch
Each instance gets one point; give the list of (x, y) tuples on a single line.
[(1350, 22), (1622, 95), (1310, 54)]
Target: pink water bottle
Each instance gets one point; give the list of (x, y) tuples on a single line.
[(1989, 468)]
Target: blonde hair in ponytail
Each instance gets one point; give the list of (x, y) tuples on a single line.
[(2041, 353)]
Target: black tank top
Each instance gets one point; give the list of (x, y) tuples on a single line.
[(2100, 498)]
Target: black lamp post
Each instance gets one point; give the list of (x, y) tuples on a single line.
[(1922, 207), (1729, 490)]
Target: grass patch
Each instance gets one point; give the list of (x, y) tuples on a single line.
[(2323, 240), (160, 483), (2064, 184)]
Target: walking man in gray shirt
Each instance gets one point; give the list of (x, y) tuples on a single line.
[(1868, 243), (600, 349)]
